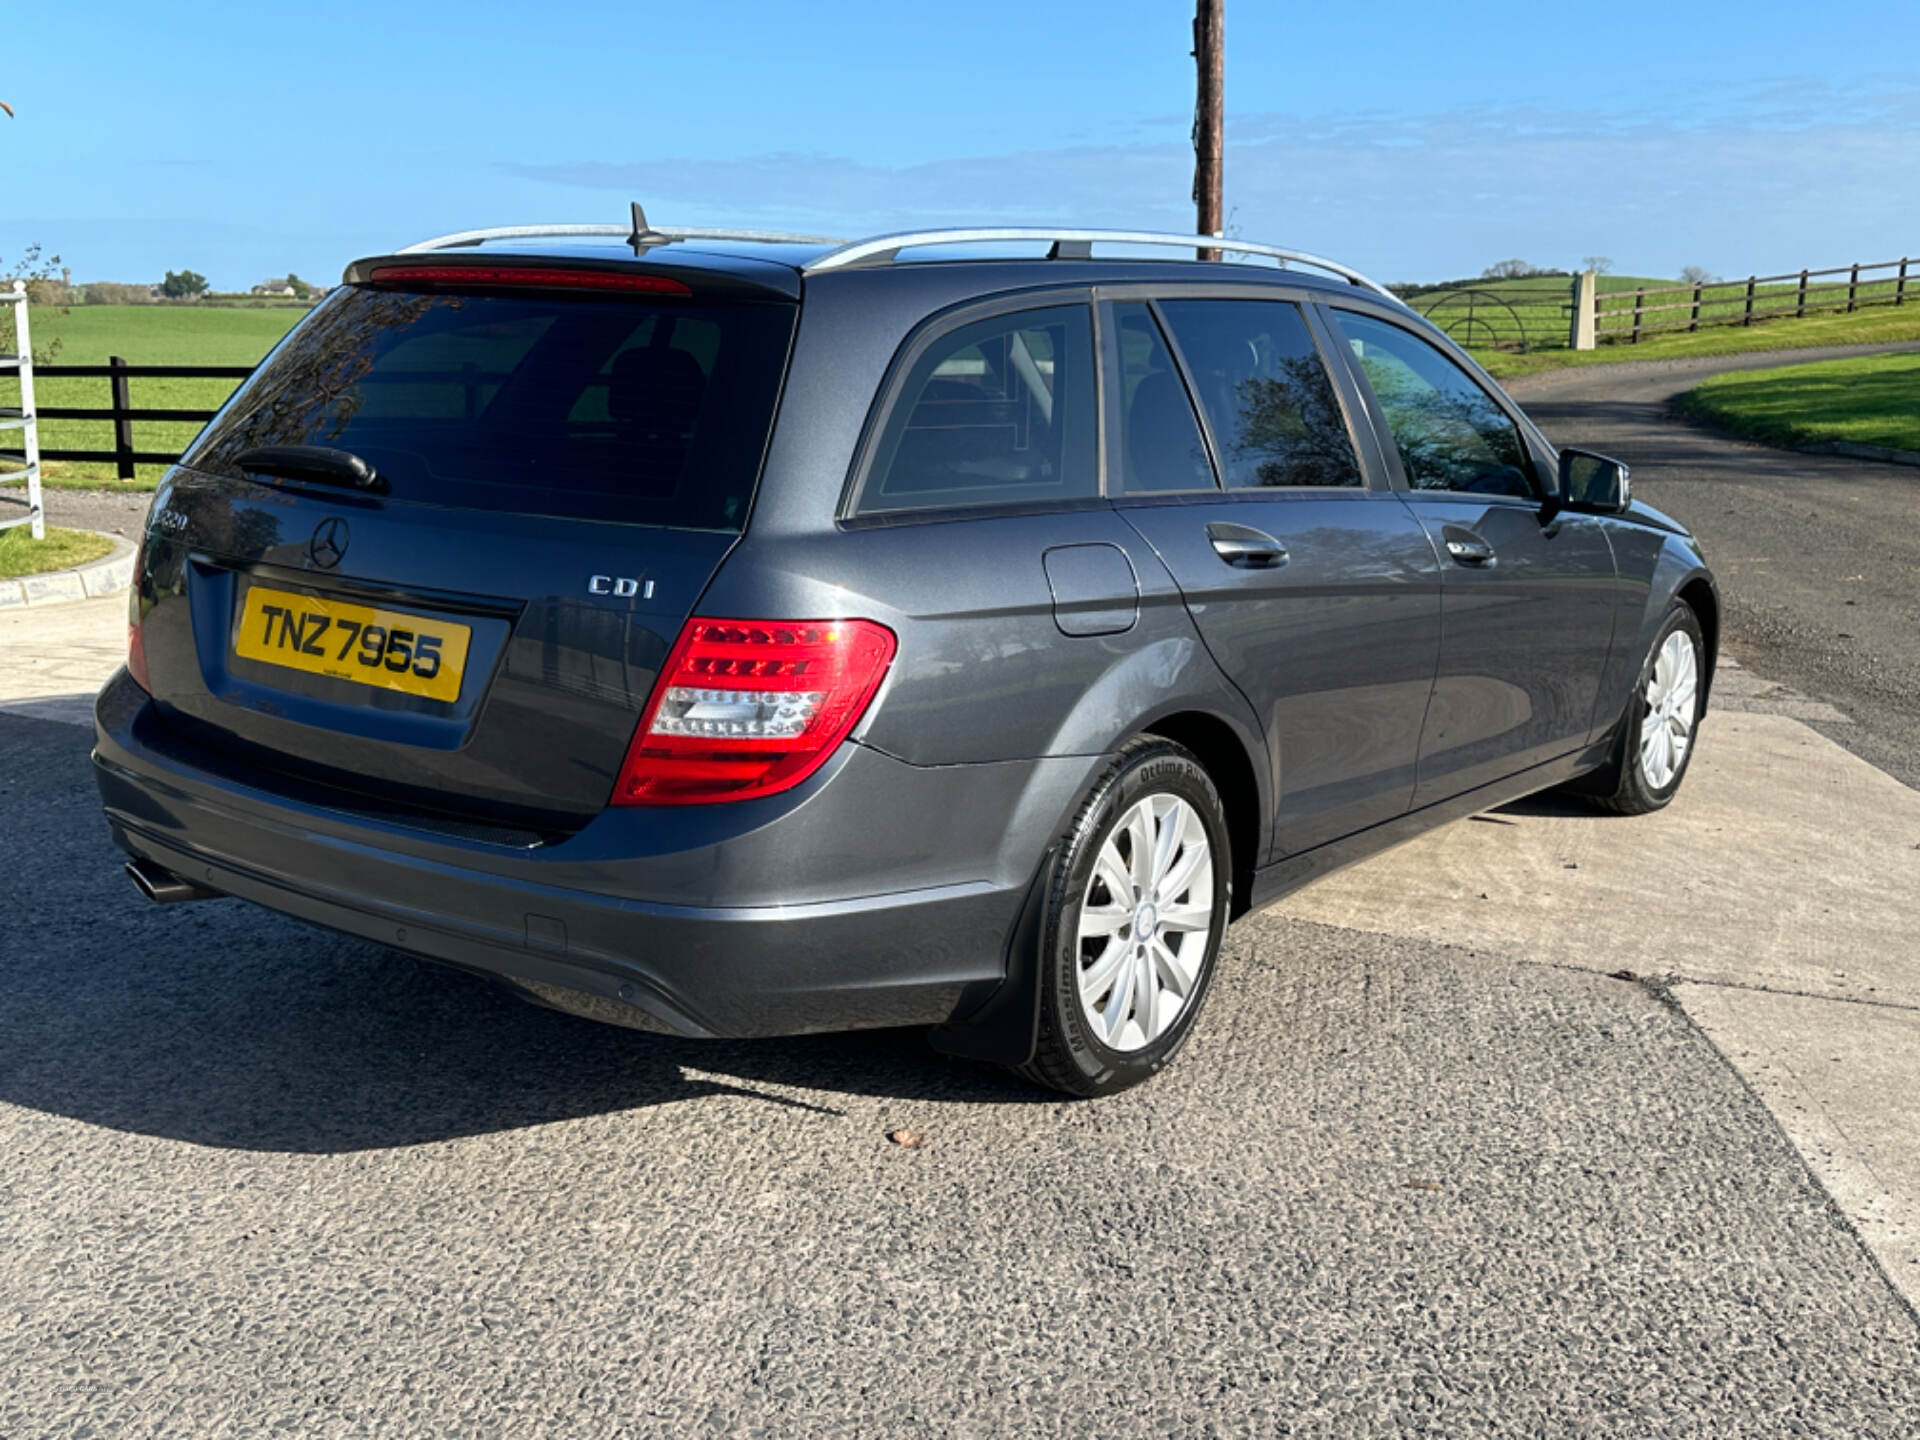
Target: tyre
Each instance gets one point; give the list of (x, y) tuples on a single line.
[(1134, 918), (1656, 739)]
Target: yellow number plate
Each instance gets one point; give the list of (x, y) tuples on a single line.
[(387, 648)]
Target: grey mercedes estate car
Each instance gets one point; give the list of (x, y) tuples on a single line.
[(740, 635)]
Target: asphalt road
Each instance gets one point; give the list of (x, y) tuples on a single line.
[(1817, 556), (261, 1178)]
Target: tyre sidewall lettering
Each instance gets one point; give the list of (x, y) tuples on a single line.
[(1160, 774)]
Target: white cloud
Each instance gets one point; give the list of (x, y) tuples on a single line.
[(1773, 179)]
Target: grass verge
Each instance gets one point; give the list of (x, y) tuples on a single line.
[(66, 475), (21, 554), (1878, 326), (1868, 400)]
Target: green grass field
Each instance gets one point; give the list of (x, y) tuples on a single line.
[(21, 554), (1536, 313), (1869, 400), (142, 335), (1867, 327)]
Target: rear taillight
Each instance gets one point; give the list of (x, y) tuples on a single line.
[(529, 277), (745, 708), (137, 647)]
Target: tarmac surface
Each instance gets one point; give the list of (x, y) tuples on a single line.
[(259, 1178), (1816, 555)]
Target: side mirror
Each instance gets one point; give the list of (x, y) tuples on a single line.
[(1593, 482)]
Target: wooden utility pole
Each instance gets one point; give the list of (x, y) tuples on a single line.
[(1209, 53)]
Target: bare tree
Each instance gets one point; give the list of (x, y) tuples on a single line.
[(1697, 275), (1510, 270), (1598, 264), (42, 289)]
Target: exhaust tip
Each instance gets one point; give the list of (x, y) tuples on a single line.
[(163, 887)]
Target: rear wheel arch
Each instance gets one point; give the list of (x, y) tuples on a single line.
[(1221, 753)]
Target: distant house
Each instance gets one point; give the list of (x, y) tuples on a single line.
[(274, 287)]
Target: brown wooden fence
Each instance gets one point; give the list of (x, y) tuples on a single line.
[(1629, 314)]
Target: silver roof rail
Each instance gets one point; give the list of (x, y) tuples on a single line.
[(1075, 244), (884, 249), (662, 236)]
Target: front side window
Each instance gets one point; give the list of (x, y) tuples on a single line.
[(1265, 391), (997, 412), (1451, 434)]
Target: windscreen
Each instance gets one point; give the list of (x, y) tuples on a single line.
[(640, 410)]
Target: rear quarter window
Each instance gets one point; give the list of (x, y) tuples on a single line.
[(997, 412), (647, 411)]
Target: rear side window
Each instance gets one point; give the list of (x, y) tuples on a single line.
[(998, 412), (1161, 448), (1266, 393), (649, 411)]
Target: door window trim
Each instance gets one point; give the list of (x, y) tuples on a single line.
[(924, 335), (1116, 410), (1374, 479), (1531, 440)]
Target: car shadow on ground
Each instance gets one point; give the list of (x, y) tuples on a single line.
[(226, 1025), (243, 1030)]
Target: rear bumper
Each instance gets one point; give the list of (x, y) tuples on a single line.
[(671, 939)]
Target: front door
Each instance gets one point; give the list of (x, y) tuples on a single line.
[(1528, 593), (1317, 594)]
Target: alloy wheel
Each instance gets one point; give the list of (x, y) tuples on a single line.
[(1666, 730), (1145, 923)]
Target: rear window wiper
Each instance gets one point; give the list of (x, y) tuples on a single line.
[(318, 463)]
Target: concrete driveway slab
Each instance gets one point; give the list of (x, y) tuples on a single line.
[(1785, 863), (55, 658)]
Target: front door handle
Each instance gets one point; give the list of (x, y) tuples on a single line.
[(1467, 548), (1246, 547)]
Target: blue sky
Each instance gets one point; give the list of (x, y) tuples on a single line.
[(1418, 141)]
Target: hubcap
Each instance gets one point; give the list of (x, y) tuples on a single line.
[(1145, 923), (1666, 730)]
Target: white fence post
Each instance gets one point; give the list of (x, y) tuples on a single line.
[(24, 422), (1586, 296)]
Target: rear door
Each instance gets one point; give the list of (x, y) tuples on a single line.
[(1316, 591), (563, 457), (1529, 589)]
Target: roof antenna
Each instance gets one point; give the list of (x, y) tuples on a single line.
[(644, 235)]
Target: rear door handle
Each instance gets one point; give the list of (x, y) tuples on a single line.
[(1467, 548), (1246, 547)]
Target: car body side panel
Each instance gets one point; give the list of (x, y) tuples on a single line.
[(1335, 648), (1526, 640), (1654, 566), (984, 673)]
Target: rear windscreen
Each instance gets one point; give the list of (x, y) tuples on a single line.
[(647, 411)]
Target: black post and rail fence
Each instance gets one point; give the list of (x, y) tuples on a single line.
[(122, 413)]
